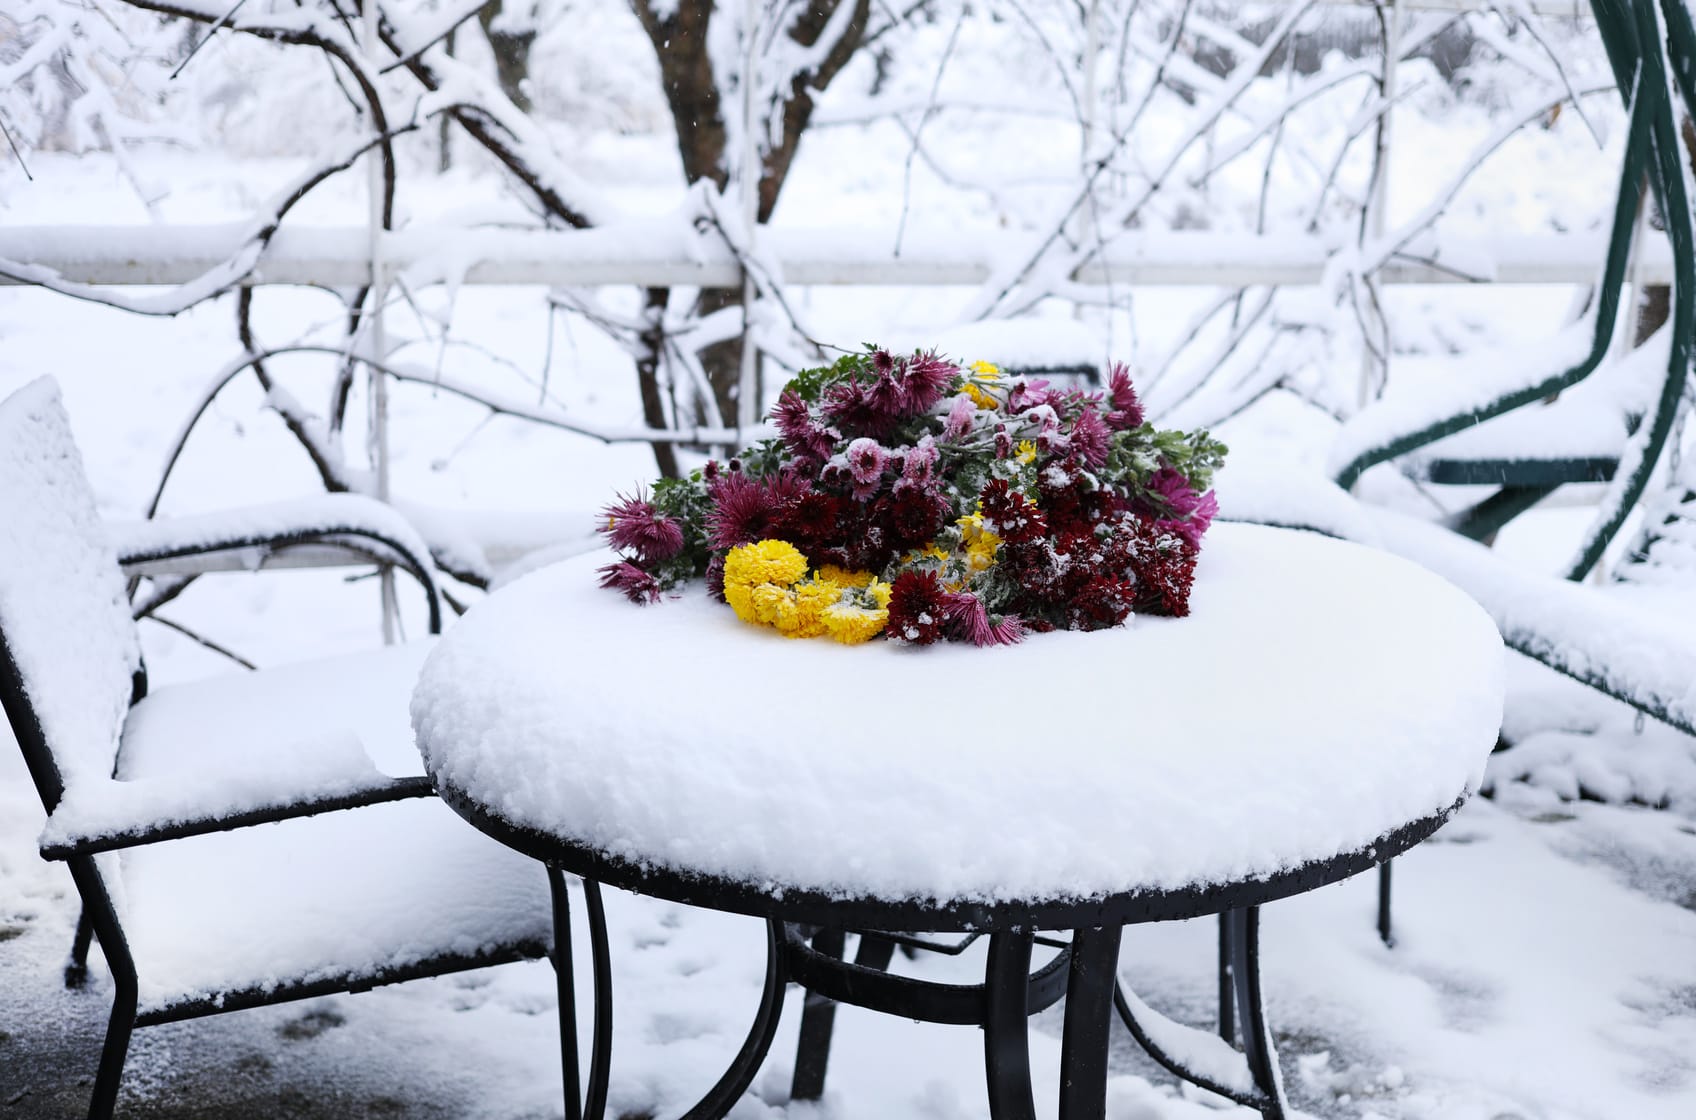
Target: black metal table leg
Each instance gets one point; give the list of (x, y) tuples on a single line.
[(1257, 1036), (600, 1046), (818, 1018), (1083, 1045), (1227, 986), (1006, 1043), (722, 1097), (1384, 931), (566, 988)]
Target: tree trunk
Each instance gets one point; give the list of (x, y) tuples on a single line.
[(511, 47), (648, 378), (1654, 301), (686, 73)]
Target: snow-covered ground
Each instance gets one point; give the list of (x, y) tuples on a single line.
[(1546, 958)]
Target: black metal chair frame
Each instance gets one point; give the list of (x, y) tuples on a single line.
[(100, 918), (806, 934)]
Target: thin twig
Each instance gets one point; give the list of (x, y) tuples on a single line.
[(204, 640), (924, 119), (216, 27), (14, 146)]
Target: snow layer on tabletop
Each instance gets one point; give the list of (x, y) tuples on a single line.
[(246, 741), (1290, 718), (63, 611), (377, 887), (319, 513), (1619, 642)]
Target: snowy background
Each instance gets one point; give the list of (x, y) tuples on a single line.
[(1546, 956)]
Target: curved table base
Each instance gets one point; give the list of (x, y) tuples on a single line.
[(1250, 1077), (1085, 971)]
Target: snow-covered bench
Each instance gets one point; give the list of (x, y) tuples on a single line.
[(205, 915), (1616, 639)]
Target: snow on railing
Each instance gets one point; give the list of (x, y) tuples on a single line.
[(650, 256)]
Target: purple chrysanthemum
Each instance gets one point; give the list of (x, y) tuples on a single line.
[(865, 460), (1089, 436), (919, 465), (1189, 514), (743, 510), (804, 436), (1026, 395), (634, 525), (634, 583), (971, 618), (1127, 410), (924, 381), (960, 415)]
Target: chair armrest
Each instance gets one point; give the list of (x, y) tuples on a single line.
[(248, 537), (120, 815), (1587, 633)]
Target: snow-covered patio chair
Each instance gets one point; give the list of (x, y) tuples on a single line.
[(1496, 420), (149, 796)]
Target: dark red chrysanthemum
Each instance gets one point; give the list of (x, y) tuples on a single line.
[(635, 584), (912, 516), (1008, 513), (1127, 411), (810, 521), (1163, 568), (634, 525), (917, 608), (1103, 601)]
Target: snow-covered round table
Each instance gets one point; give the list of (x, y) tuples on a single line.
[(1324, 707)]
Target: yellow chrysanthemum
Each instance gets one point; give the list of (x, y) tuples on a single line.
[(852, 625), (879, 591), (842, 577), (799, 615), (980, 554), (972, 530), (767, 598), (1026, 452), (988, 370), (776, 562), (979, 397), (741, 599)]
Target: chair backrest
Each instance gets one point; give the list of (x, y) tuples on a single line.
[(69, 654)]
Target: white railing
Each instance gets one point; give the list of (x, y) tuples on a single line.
[(301, 255)]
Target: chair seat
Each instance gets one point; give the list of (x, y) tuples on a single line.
[(313, 708), (350, 894), (343, 894)]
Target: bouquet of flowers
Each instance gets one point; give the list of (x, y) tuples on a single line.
[(919, 500)]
